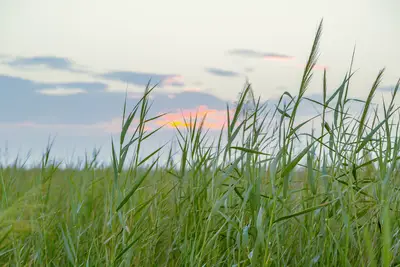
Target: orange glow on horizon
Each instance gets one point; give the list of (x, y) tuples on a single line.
[(214, 119)]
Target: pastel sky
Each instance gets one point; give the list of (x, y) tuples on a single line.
[(65, 65)]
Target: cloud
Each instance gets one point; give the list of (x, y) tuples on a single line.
[(142, 79), (23, 100), (4, 59), (92, 86), (221, 72), (51, 62), (256, 54), (61, 91), (306, 107), (214, 119), (197, 83), (192, 89), (112, 126), (17, 84), (248, 70), (186, 100), (135, 95), (173, 80), (386, 88)]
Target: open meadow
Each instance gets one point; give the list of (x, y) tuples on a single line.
[(267, 192)]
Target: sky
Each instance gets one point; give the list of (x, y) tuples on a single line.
[(65, 65)]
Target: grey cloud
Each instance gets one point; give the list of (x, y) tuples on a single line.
[(142, 79), (256, 54), (81, 85), (18, 86), (197, 83), (19, 102), (249, 70), (51, 62), (4, 59), (387, 88), (221, 72)]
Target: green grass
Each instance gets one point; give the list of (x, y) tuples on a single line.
[(265, 193)]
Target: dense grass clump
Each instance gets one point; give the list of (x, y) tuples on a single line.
[(265, 193)]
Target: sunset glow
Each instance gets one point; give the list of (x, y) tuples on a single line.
[(214, 119)]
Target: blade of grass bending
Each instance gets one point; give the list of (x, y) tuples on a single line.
[(248, 150), (350, 71), (150, 155), (339, 105), (347, 78), (310, 173), (136, 186), (304, 211), (6, 234), (126, 126), (128, 247), (114, 161), (126, 147), (294, 130), (371, 134), (71, 254), (292, 164), (368, 103), (151, 133)]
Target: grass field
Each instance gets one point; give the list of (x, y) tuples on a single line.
[(266, 193)]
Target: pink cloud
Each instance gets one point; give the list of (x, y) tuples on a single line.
[(177, 79), (214, 119), (278, 58)]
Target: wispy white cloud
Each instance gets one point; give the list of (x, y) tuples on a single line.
[(142, 78), (192, 89), (48, 62), (61, 91), (100, 128), (221, 72), (257, 54)]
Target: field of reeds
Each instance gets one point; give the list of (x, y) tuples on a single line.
[(267, 192)]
